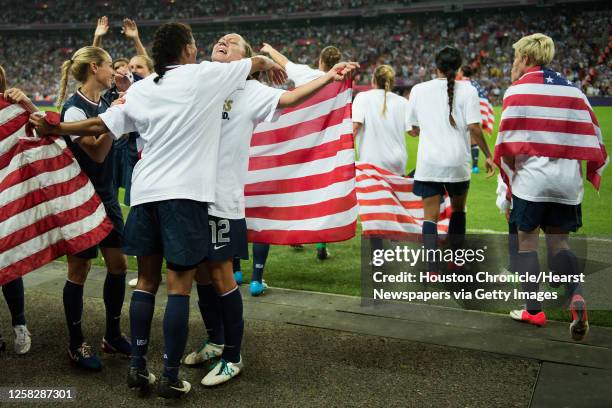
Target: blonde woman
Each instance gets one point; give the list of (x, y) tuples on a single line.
[(92, 68)]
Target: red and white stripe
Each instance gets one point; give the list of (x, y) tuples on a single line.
[(488, 116), (48, 206), (301, 181), (387, 206)]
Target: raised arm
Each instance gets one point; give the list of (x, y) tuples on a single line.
[(276, 56), (302, 93), (276, 73), (101, 30), (130, 30)]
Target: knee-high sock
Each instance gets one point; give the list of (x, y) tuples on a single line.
[(565, 263), (231, 305), (13, 294), (73, 308), (236, 264), (528, 264), (430, 242), (456, 229), (512, 245), (260, 255), (321, 245), (176, 330), (475, 153), (114, 293), (142, 307), (210, 308)]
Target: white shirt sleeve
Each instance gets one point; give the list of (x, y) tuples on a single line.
[(358, 109), (118, 121), (264, 101), (472, 108), (229, 76), (74, 114), (301, 74)]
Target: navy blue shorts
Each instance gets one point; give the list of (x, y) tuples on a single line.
[(426, 189), (529, 215), (176, 229), (114, 239), (228, 239)]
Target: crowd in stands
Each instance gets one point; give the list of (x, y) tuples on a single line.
[(583, 41)]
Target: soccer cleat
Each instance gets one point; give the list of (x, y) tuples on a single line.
[(523, 315), (322, 254), (172, 389), (579, 327), (23, 339), (133, 282), (222, 372), (84, 357), (207, 352), (140, 379), (475, 170), (258, 288), (120, 345), (238, 277)]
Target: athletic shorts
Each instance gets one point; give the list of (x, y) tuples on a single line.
[(426, 189), (528, 215), (228, 239), (114, 239), (176, 229)]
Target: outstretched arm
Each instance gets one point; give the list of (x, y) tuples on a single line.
[(130, 30), (87, 127), (101, 30), (279, 58)]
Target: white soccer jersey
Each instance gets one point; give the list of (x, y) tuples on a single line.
[(382, 139), (444, 152), (242, 111), (301, 74), (179, 121)]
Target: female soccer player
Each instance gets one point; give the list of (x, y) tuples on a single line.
[(220, 301), (178, 115), (13, 291), (92, 68), (442, 112)]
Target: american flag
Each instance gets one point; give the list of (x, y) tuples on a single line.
[(543, 114), (301, 181), (387, 206), (486, 110), (48, 206)]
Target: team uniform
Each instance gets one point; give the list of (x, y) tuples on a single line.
[(381, 140), (179, 122), (443, 157)]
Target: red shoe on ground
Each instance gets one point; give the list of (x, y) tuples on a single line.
[(538, 319), (579, 327)]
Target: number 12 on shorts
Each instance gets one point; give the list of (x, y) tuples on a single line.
[(219, 231)]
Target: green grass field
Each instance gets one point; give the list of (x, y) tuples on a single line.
[(290, 268)]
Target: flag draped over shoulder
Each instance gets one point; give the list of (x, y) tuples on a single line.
[(301, 181), (387, 206), (486, 109), (545, 115), (48, 206)]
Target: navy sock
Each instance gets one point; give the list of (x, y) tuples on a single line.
[(210, 308), (430, 242), (73, 308), (512, 245), (114, 293), (142, 307), (176, 328), (565, 263), (528, 263), (231, 306), (236, 265), (13, 294), (475, 153), (456, 229), (260, 255)]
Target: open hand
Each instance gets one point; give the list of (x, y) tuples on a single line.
[(129, 29), (102, 27)]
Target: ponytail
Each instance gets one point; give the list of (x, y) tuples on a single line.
[(63, 83), (448, 61), (384, 78), (168, 44)]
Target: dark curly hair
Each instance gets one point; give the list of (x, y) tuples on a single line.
[(169, 41), (448, 61)]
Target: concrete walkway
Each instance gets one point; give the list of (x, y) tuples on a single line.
[(314, 349)]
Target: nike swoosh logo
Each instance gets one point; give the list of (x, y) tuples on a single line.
[(219, 247), (179, 389)]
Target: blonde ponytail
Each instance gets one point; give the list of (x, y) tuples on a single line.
[(78, 66), (384, 78)]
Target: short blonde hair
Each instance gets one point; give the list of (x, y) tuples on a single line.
[(539, 48)]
